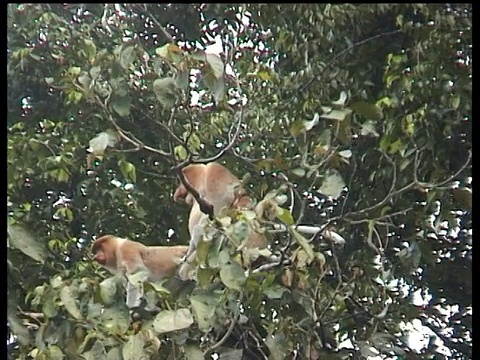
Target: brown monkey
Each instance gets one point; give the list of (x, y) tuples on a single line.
[(219, 187), (122, 256)]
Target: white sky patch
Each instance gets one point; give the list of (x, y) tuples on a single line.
[(216, 48)]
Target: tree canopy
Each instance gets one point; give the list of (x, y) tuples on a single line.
[(356, 119)]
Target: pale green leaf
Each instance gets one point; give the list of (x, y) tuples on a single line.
[(193, 352), (180, 152), (198, 55), (116, 319), (133, 348), (23, 240), (339, 115), (203, 306), (275, 291), (302, 242), (300, 172), (122, 105), (345, 153), (90, 49), (308, 125), (341, 100), (108, 290), (333, 184), (127, 56), (368, 128), (216, 64), (172, 320), (284, 215), (18, 329), (164, 85), (101, 141), (231, 354), (128, 170), (233, 276), (278, 345), (369, 111), (68, 296)]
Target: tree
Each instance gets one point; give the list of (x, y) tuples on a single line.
[(358, 117)]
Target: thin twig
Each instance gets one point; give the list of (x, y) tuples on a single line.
[(229, 330), (160, 26)]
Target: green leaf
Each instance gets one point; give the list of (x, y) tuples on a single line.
[(103, 140), (275, 291), (182, 80), (368, 128), (333, 184), (90, 49), (18, 328), (198, 55), (369, 111), (172, 320), (164, 85), (339, 115), (203, 306), (302, 242), (300, 172), (127, 56), (180, 152), (396, 146), (169, 52), (297, 128), (138, 277), (74, 70), (23, 240), (455, 102), (347, 154), (162, 51), (68, 299), (95, 72), (233, 276), (164, 90), (108, 290), (128, 170), (264, 75), (240, 231), (218, 90), (341, 100), (63, 176), (97, 350), (193, 352), (284, 215), (231, 354), (113, 354), (116, 319), (390, 79), (278, 345), (122, 105), (216, 65), (303, 259), (133, 348), (308, 125)]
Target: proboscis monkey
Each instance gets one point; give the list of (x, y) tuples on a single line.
[(123, 256), (219, 187)]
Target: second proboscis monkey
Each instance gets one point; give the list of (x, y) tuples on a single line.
[(123, 256)]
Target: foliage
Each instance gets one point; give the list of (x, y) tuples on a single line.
[(359, 116)]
